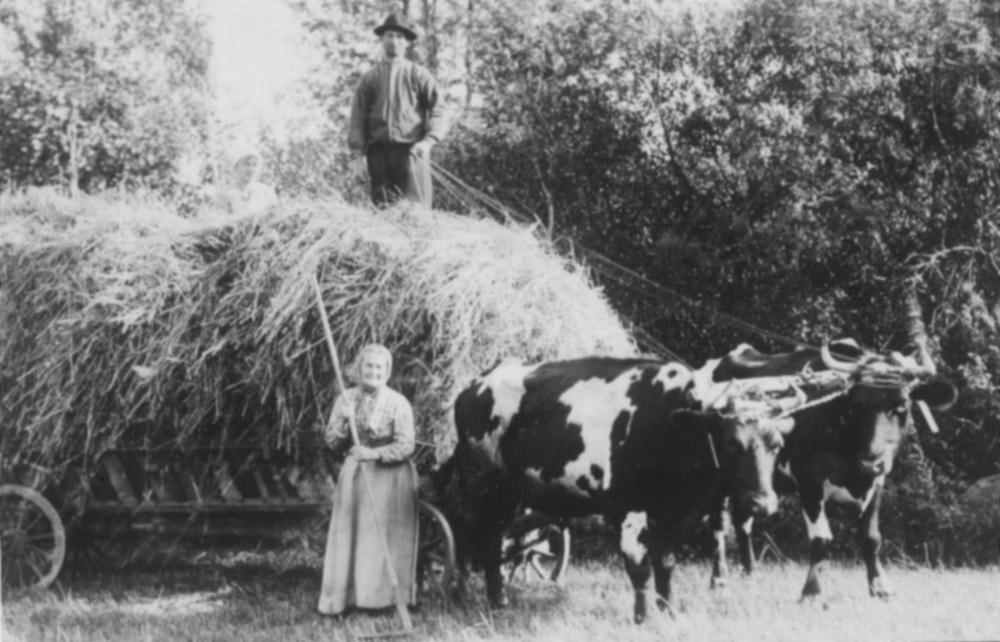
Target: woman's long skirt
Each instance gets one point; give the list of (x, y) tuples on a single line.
[(355, 568)]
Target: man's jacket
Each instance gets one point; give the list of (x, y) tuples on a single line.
[(396, 102)]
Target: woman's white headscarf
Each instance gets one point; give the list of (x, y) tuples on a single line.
[(371, 348)]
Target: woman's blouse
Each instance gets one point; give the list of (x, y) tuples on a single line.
[(384, 419)]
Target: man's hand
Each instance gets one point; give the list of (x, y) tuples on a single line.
[(422, 149), (364, 453)]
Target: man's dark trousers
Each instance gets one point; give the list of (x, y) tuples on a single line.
[(395, 174)]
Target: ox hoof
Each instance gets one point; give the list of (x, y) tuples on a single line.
[(499, 603), (718, 583), (664, 606), (879, 590), (810, 590), (639, 612)]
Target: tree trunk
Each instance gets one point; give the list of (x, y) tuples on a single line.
[(470, 14), (430, 34), (73, 147)]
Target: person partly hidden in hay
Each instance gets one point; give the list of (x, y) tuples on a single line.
[(396, 118), (245, 194), (355, 565)]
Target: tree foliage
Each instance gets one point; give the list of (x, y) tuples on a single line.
[(796, 165), (100, 92)]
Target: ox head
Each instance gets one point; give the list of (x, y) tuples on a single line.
[(745, 444), (878, 408)]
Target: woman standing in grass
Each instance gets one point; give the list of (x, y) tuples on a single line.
[(355, 566)]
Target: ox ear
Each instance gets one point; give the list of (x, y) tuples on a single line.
[(938, 392)]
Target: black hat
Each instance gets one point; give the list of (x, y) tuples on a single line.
[(396, 22)]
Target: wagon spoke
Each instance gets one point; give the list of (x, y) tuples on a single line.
[(37, 517), (44, 554), (40, 536), (49, 556), (34, 569), (20, 510)]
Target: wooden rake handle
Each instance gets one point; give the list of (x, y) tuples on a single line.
[(404, 614)]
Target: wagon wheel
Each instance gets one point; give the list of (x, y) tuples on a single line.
[(436, 557), (33, 544), (542, 553)]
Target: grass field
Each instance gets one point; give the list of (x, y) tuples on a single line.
[(270, 596)]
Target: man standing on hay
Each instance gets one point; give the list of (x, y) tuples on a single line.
[(396, 118)]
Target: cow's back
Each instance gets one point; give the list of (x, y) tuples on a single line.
[(553, 428)]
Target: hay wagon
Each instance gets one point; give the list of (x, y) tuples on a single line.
[(229, 493)]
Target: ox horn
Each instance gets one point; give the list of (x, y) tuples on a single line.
[(918, 335), (833, 364)]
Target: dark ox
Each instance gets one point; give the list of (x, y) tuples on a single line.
[(608, 436), (839, 450)]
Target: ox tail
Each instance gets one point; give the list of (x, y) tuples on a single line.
[(445, 474), (446, 491), (442, 477)]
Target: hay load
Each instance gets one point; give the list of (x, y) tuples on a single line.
[(123, 324)]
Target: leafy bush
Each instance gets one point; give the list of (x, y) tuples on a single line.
[(797, 166), (100, 94)]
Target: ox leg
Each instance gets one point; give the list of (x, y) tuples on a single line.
[(820, 537), (744, 528), (663, 561), (720, 565), (491, 568), (461, 533), (870, 539), (495, 513), (633, 538)]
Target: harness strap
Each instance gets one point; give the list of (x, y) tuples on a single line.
[(711, 446), (815, 402)]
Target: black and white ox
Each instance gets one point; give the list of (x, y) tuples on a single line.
[(610, 436), (839, 450)]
